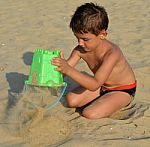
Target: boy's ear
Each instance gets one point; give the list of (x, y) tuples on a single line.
[(103, 34)]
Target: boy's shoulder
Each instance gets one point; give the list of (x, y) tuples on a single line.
[(111, 45), (111, 48), (112, 52), (79, 48)]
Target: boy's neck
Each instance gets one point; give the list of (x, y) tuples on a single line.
[(102, 48)]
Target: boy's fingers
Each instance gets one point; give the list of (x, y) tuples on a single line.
[(55, 60), (56, 63), (58, 69)]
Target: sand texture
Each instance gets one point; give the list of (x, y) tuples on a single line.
[(25, 120)]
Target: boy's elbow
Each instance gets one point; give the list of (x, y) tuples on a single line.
[(94, 87)]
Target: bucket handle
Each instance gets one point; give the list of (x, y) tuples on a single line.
[(57, 99)]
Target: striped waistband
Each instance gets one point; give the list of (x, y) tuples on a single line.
[(124, 87)]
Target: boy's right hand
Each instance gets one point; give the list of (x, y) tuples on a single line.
[(62, 64)]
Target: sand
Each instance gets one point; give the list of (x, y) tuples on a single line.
[(27, 25)]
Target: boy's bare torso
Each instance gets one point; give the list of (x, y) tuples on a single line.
[(121, 74)]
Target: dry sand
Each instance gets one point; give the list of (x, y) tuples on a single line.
[(26, 25)]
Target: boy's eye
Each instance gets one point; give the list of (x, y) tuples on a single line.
[(86, 39)]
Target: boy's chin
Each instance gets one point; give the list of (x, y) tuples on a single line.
[(87, 50)]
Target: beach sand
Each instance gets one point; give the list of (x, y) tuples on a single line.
[(27, 25)]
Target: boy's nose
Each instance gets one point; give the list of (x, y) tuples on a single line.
[(81, 42)]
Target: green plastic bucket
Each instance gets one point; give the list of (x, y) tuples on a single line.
[(42, 72)]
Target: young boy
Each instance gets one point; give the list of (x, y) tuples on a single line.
[(113, 85)]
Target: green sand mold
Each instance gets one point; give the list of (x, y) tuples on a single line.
[(42, 72)]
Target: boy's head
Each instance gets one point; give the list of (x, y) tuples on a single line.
[(89, 18)]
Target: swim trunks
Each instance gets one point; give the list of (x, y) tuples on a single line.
[(130, 89)]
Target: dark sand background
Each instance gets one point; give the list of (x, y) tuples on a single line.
[(27, 25)]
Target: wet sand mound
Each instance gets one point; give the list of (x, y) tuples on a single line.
[(28, 117)]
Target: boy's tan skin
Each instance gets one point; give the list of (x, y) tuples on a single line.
[(110, 69)]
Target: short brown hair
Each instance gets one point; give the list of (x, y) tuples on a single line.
[(89, 17)]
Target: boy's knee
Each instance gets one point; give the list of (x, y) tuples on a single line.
[(90, 114)]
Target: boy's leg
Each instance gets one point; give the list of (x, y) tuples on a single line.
[(80, 97), (107, 105)]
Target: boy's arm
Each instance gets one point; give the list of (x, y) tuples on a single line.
[(74, 58), (89, 82), (95, 82)]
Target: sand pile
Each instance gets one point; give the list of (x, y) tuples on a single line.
[(27, 116)]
